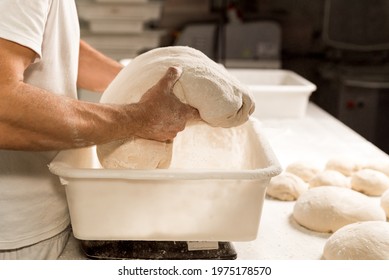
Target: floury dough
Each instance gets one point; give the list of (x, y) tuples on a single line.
[(221, 100), (385, 202), (304, 170), (329, 178), (346, 166), (359, 241), (370, 182), (379, 165), (326, 209), (286, 186), (131, 153)]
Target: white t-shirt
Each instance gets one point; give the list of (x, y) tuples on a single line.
[(32, 201)]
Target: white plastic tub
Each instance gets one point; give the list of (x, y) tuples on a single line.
[(122, 1), (144, 40), (277, 93), (137, 11), (214, 190), (116, 26), (119, 54)]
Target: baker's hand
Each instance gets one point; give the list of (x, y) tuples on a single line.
[(163, 115)]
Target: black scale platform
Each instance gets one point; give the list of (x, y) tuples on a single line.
[(154, 250)]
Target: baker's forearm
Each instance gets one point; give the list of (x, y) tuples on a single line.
[(95, 70), (34, 119)]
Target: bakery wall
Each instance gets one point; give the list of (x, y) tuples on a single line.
[(302, 49)]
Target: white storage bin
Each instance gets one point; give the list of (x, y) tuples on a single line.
[(123, 1), (277, 93), (120, 54), (116, 26), (139, 11), (144, 40), (213, 191)]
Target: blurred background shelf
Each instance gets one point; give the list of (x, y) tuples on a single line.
[(121, 28), (341, 48)]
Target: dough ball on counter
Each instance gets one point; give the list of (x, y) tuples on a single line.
[(326, 209), (304, 170), (385, 202), (221, 99), (370, 182), (286, 186), (346, 166), (378, 165), (359, 241), (329, 178)]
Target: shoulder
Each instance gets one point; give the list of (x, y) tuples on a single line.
[(24, 22)]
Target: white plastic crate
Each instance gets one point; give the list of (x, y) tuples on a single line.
[(277, 93), (145, 40), (116, 11), (116, 26), (213, 191), (120, 54), (122, 1)]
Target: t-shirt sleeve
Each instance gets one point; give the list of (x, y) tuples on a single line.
[(24, 21)]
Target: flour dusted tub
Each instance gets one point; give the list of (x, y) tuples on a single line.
[(277, 93), (213, 191)]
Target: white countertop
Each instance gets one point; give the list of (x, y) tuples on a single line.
[(316, 138)]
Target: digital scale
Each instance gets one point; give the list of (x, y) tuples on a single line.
[(158, 250)]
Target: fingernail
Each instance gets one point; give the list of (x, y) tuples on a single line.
[(178, 70)]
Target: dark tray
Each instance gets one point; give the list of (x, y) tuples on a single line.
[(153, 250)]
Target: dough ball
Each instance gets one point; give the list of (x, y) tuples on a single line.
[(359, 241), (326, 209), (379, 165), (304, 170), (286, 186), (346, 166), (221, 99), (370, 182), (329, 178), (385, 202)]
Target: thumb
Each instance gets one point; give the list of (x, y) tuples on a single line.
[(171, 76), (192, 113)]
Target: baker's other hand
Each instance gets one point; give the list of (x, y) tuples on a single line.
[(163, 115)]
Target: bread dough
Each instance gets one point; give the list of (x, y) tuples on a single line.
[(326, 209), (286, 186), (370, 182), (346, 166), (220, 98), (385, 202), (304, 170), (379, 165), (119, 154), (359, 241), (330, 178)]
